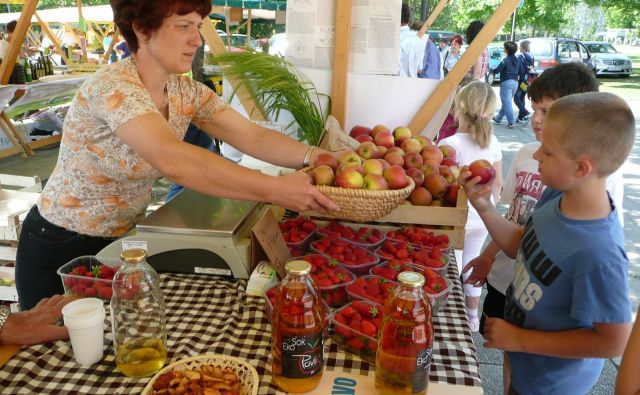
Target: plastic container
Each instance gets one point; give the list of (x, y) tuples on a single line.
[(298, 224), (429, 235), (84, 318), (438, 299), (302, 247), (359, 269), (361, 291), (84, 286), (324, 231), (349, 334), (334, 295)]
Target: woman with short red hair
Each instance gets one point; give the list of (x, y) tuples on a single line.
[(453, 54), (124, 130)]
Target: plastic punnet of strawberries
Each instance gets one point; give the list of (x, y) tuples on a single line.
[(356, 328), (420, 237), (330, 278), (363, 235), (403, 251), (373, 288), (296, 230), (93, 282), (355, 258)]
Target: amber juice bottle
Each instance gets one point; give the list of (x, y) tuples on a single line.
[(405, 343), (298, 323)]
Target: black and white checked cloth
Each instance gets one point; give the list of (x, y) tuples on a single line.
[(213, 315)]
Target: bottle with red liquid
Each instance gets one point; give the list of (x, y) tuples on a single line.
[(298, 324), (405, 343)]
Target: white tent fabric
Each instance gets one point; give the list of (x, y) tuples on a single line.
[(98, 13)]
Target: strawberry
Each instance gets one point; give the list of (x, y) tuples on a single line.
[(105, 292), (90, 292), (369, 329), (80, 271), (355, 343)]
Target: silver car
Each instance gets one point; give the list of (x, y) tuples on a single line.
[(607, 60)]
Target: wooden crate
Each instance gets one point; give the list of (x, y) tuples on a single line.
[(442, 220)]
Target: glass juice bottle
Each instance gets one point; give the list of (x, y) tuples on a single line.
[(298, 323), (405, 343), (137, 317)]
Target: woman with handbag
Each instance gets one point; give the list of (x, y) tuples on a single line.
[(453, 54)]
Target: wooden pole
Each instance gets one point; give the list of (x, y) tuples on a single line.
[(107, 52), (432, 18), (6, 124), (54, 39), (249, 27), (16, 40), (471, 55), (341, 60), (216, 46), (83, 33)]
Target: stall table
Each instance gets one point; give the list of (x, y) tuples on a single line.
[(214, 315)]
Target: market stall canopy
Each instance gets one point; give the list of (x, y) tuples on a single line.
[(98, 13), (272, 5)]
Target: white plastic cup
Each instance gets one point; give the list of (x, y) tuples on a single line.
[(84, 318)]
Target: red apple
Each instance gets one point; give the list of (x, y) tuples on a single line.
[(412, 159), (328, 160), (381, 152), (437, 203), (445, 171), (424, 141), (420, 197), (349, 157), (394, 159), (448, 151), (401, 133), (451, 197), (411, 145), (373, 166), (349, 178), (449, 162), (483, 169), (360, 130), (430, 168), (352, 165), (377, 129), (417, 175), (366, 150), (375, 182), (395, 150), (323, 175), (396, 177), (384, 138), (431, 152), (436, 185), (363, 138)]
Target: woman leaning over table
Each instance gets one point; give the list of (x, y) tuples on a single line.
[(124, 130)]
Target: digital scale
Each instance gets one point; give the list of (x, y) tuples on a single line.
[(196, 233)]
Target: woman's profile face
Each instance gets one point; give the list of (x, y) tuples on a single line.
[(175, 42)]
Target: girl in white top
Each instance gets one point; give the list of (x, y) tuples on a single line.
[(474, 107)]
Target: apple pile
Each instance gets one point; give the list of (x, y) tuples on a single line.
[(363, 235), (420, 237), (330, 278), (355, 258), (356, 326), (373, 288)]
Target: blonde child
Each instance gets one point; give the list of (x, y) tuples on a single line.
[(567, 307), (474, 106)]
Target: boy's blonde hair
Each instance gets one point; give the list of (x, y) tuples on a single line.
[(475, 103), (598, 125)]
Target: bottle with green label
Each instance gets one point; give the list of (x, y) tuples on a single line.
[(298, 323), (27, 70), (405, 343)]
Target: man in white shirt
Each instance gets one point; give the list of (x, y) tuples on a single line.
[(4, 44), (411, 47)]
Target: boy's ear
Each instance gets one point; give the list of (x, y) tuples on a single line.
[(584, 167)]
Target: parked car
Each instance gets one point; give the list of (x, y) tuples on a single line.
[(607, 60), (549, 52), (496, 54), (437, 35), (278, 44), (239, 42)]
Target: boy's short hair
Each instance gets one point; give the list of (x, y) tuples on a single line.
[(510, 47), (525, 45), (416, 25), (405, 14), (562, 80), (11, 26), (596, 124)]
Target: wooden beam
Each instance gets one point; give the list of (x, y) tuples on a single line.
[(45, 142), (16, 41), (112, 45), (432, 18), (471, 55), (7, 127), (211, 37), (54, 39), (341, 60)]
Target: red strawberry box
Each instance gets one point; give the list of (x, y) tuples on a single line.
[(356, 327), (270, 300), (353, 257), (89, 277), (402, 250), (298, 232), (419, 236), (371, 288), (364, 236), (390, 269), (330, 277), (436, 286)]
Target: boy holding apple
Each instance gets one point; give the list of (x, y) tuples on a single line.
[(567, 306), (523, 187)]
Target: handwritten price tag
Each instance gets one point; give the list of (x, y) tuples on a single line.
[(269, 236)]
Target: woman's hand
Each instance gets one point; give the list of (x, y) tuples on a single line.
[(295, 192)]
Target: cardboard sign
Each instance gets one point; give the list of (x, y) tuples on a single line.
[(269, 237), (335, 139)]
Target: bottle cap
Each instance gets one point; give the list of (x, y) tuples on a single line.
[(133, 255), (411, 279), (298, 267)]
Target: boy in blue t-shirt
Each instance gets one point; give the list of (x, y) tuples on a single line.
[(567, 307)]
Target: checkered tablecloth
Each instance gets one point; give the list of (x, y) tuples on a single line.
[(213, 315)]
